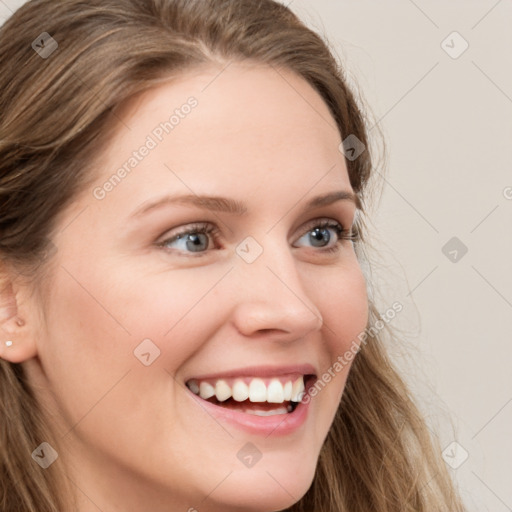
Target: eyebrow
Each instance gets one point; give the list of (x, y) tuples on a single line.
[(234, 207)]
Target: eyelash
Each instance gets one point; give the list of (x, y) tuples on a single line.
[(211, 229)]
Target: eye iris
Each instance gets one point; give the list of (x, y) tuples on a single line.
[(317, 234), (194, 242)]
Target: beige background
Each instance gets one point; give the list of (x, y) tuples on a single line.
[(448, 128)]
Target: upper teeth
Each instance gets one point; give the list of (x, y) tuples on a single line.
[(256, 390)]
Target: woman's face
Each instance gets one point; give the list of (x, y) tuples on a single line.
[(265, 290)]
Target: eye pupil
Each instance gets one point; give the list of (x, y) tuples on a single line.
[(317, 235)]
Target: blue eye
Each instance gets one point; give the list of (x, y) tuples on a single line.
[(195, 240), (320, 235)]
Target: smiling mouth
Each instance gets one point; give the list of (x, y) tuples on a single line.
[(256, 396)]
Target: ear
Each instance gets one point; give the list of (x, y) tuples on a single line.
[(17, 321)]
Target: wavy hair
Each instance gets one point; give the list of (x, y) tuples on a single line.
[(56, 114)]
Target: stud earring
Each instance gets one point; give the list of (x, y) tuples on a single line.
[(8, 343)]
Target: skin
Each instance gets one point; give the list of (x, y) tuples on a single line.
[(133, 436)]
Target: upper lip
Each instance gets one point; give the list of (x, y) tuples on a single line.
[(258, 371)]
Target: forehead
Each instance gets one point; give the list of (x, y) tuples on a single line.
[(273, 106), (238, 126)]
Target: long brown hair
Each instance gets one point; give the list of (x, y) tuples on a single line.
[(58, 103)]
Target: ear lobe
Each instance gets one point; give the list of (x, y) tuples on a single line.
[(14, 328)]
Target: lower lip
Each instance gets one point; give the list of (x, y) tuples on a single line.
[(277, 425)]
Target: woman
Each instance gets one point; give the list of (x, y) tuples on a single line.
[(185, 322)]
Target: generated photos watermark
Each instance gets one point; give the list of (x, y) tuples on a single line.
[(153, 139), (348, 356)]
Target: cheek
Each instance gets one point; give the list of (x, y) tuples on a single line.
[(344, 307), (96, 319), (86, 346), (172, 309), (343, 303)]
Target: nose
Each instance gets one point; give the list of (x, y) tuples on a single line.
[(271, 298)]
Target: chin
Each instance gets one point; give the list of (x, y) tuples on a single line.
[(263, 490)]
